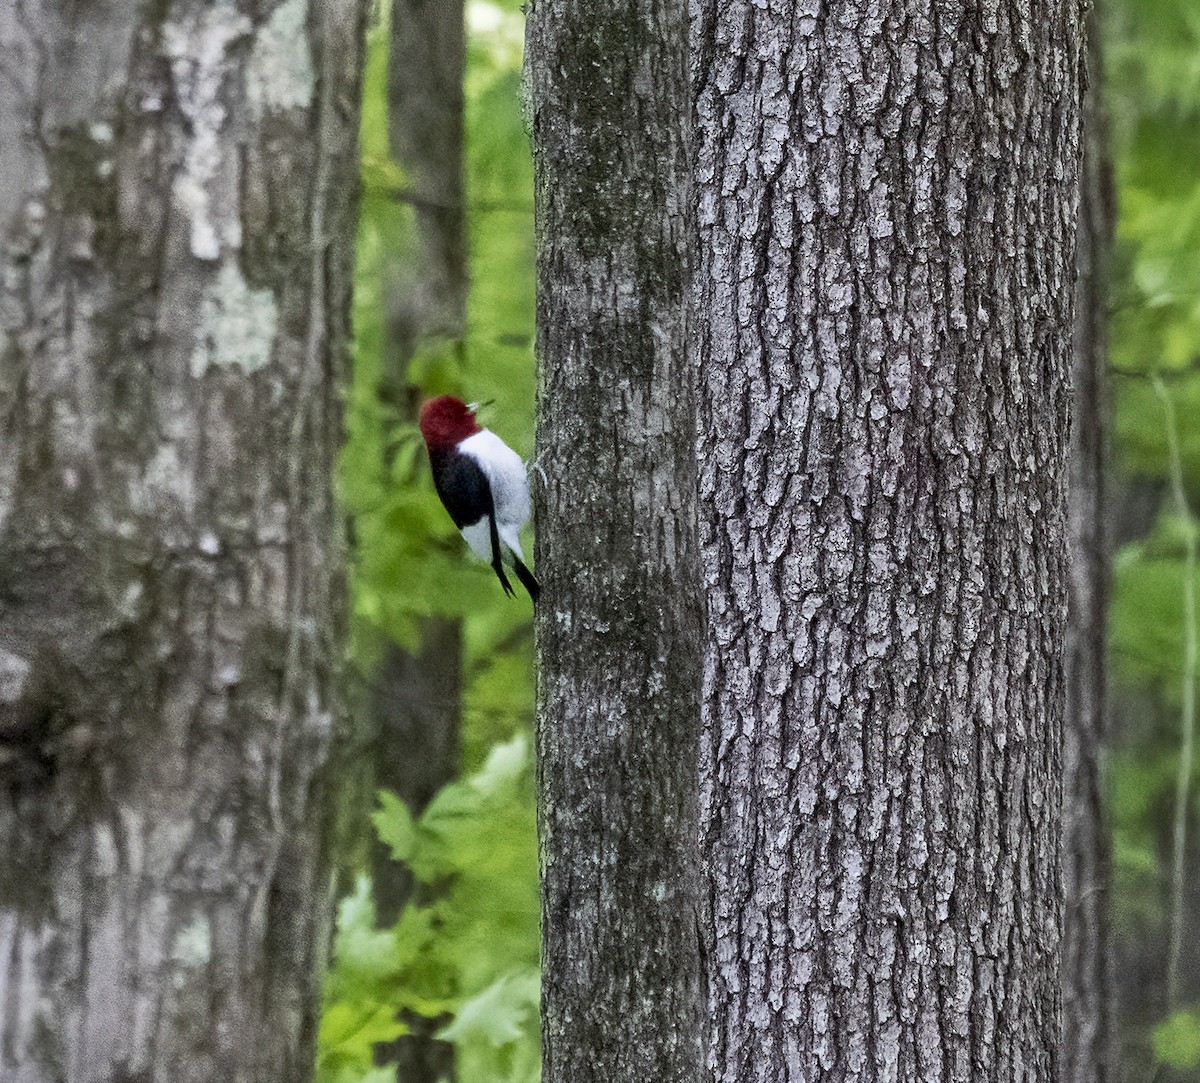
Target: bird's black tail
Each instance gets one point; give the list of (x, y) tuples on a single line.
[(497, 560), (526, 578)]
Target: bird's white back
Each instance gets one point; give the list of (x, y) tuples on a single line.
[(510, 491)]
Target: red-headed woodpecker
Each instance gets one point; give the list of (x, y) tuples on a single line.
[(482, 483)]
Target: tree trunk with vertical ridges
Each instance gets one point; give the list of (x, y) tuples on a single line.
[(886, 219), (618, 627), (177, 217)]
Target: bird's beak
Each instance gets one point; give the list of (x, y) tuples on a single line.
[(475, 407)]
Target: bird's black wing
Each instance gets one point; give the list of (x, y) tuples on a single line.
[(462, 486), (467, 495)]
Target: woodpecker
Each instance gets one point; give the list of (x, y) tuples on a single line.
[(482, 483)]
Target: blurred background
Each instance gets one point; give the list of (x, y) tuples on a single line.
[(435, 968)]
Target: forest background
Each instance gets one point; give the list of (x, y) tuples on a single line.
[(454, 951)]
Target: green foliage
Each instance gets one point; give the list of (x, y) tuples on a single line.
[(1177, 1039), (1153, 82), (500, 307), (1146, 638), (465, 950), (410, 562), (466, 946)]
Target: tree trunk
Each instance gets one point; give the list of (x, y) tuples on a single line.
[(426, 67), (1086, 839), (618, 630), (887, 208), (418, 702), (418, 705), (418, 719), (177, 213)]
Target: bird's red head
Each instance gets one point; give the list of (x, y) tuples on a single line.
[(445, 421)]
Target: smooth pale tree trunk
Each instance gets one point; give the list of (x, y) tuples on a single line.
[(618, 629), (1087, 988), (886, 199), (418, 695), (177, 213)]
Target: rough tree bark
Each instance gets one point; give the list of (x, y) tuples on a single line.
[(177, 214), (618, 630), (1087, 988), (418, 700), (886, 218)]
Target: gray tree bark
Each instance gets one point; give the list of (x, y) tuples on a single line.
[(617, 627), (886, 218), (1087, 988), (418, 702), (177, 214)]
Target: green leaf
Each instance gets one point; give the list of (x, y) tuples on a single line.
[(505, 765), (499, 1014), (386, 1074), (1177, 1039), (1147, 617), (359, 943), (394, 825), (349, 1032)]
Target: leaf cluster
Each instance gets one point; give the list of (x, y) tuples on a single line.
[(465, 948)]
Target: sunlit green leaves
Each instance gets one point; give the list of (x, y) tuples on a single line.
[(467, 947), (359, 1012), (348, 1037), (500, 1014), (493, 1032)]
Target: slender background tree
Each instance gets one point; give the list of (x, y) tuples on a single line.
[(177, 210), (418, 694), (418, 701), (618, 630), (1087, 841), (887, 210)]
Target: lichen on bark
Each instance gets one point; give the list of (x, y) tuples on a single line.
[(174, 286)]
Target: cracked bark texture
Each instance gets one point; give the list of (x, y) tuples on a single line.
[(177, 213), (618, 626), (886, 199), (1087, 985)]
